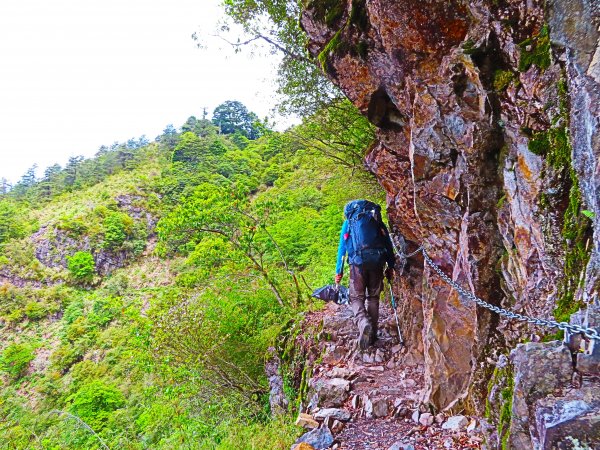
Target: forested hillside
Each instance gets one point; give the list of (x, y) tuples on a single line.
[(141, 289)]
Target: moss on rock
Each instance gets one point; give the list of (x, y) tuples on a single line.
[(536, 51)]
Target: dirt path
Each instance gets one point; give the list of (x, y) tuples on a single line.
[(383, 388)]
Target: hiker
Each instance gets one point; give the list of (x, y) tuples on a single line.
[(366, 241)]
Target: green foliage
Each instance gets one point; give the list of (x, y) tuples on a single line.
[(589, 214), (82, 266), (95, 402), (35, 310), (11, 223), (536, 51), (15, 359), (168, 352), (302, 86), (117, 228), (232, 117), (502, 79)]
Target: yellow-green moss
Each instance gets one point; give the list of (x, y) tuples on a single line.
[(504, 376), (328, 11), (555, 146), (469, 47), (332, 46), (502, 79), (536, 51), (501, 201)]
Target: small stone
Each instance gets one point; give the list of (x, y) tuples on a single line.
[(379, 356), (398, 402), (302, 446), (368, 406), (415, 416), (400, 445), (380, 408), (334, 413), (448, 443), (306, 421), (396, 349), (368, 358), (337, 426), (341, 372), (426, 419), (376, 368), (439, 418), (455, 423), (331, 393), (472, 426), (319, 438), (401, 412), (391, 364), (408, 383), (356, 401)]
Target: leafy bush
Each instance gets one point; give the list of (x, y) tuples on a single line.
[(94, 403), (117, 227), (65, 356), (74, 226), (82, 266), (15, 359), (35, 310)]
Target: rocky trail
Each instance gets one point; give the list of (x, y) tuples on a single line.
[(372, 399)]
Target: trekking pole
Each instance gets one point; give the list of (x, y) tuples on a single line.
[(396, 314)]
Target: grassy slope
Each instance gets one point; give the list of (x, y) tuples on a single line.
[(97, 352)]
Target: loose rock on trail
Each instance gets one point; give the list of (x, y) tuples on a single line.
[(372, 399)]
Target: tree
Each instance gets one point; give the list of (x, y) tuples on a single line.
[(189, 150), (50, 184), (232, 116), (4, 186), (72, 170), (223, 212), (301, 81), (169, 136), (11, 225), (339, 132)]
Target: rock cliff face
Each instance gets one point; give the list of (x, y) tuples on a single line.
[(488, 146)]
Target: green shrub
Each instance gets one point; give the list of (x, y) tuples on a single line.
[(15, 359), (117, 228), (74, 226), (94, 402), (65, 356), (35, 310), (82, 266)]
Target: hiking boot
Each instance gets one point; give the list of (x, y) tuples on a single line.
[(364, 337), (373, 337)]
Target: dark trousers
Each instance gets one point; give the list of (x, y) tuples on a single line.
[(366, 284)]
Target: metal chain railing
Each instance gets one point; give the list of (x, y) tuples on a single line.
[(590, 333)]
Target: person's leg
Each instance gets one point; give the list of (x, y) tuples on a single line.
[(374, 285), (357, 304)]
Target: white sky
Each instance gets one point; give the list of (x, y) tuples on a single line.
[(77, 74)]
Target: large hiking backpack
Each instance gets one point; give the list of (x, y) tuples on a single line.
[(366, 243)]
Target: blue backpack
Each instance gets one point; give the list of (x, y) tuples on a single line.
[(367, 243)]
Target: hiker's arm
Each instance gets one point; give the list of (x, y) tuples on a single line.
[(339, 268)]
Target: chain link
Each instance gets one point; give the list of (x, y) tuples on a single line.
[(590, 333)]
